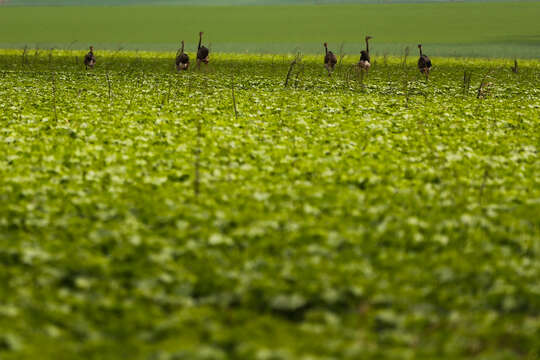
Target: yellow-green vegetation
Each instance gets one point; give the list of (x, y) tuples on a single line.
[(344, 217), (450, 29)]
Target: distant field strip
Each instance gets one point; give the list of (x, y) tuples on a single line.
[(447, 29), (212, 2)]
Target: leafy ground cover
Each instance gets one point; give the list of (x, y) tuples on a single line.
[(447, 29), (338, 218)]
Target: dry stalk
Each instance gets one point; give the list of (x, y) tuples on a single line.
[(515, 67), (298, 73), (293, 63), (405, 55), (50, 55), (233, 96), (466, 81), (197, 180), (109, 85), (53, 80), (24, 53)]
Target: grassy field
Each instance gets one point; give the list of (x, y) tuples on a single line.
[(448, 29), (338, 218)]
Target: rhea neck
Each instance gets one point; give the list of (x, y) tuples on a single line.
[(367, 45), (326, 49), (182, 51), (420, 48), (200, 40)]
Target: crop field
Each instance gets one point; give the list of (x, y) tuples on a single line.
[(217, 214), (506, 29)]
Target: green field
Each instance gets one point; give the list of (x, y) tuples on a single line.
[(379, 217), (447, 29)]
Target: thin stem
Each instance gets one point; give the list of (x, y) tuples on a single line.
[(109, 85), (296, 58), (196, 181), (54, 95), (234, 97)]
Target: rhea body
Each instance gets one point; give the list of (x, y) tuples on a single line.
[(365, 59), (182, 59), (202, 52), (330, 59), (90, 59), (424, 62)]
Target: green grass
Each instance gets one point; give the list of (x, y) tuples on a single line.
[(449, 29), (338, 218)]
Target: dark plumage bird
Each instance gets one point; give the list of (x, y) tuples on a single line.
[(182, 59), (365, 59), (202, 52), (90, 59), (330, 59), (424, 62)]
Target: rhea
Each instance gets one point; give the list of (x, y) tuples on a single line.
[(424, 62), (365, 59), (202, 52), (330, 59), (90, 59), (182, 59)]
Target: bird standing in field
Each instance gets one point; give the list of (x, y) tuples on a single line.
[(424, 62), (182, 59), (365, 59), (90, 59), (202, 52), (330, 59)]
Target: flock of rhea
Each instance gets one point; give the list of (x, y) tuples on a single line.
[(330, 59), (182, 59)]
